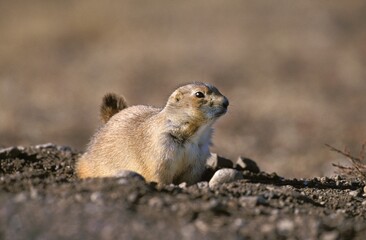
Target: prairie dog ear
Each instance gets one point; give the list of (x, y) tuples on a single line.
[(177, 96)]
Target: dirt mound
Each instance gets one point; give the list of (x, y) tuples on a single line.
[(41, 198)]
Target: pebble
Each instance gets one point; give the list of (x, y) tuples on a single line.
[(355, 193), (155, 202), (243, 163), (225, 175), (46, 145), (133, 197), (285, 226), (266, 228), (202, 226), (33, 193), (189, 231), (202, 185), (217, 162), (95, 196), (78, 197), (341, 211), (130, 174), (20, 197), (238, 223), (330, 235), (252, 201), (212, 204), (324, 179)]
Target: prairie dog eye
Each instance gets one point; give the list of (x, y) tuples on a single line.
[(199, 94)]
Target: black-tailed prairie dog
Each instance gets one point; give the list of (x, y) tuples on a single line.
[(165, 145)]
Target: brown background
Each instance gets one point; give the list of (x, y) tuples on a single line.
[(294, 71)]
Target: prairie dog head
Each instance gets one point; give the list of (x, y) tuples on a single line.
[(197, 103)]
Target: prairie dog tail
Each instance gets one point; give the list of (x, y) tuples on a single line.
[(111, 104)]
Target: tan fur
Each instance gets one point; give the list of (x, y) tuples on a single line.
[(165, 145)]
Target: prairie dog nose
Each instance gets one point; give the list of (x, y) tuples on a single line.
[(225, 103)]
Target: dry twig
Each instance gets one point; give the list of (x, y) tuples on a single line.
[(358, 164)]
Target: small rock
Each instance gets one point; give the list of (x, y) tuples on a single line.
[(341, 211), (33, 193), (45, 145), (252, 201), (11, 152), (155, 202), (123, 181), (323, 179), (267, 228), (202, 185), (189, 231), (285, 226), (20, 197), (95, 196), (212, 204), (262, 200), (329, 235), (275, 212), (238, 223), (130, 174), (355, 193), (364, 203), (133, 197), (243, 163), (183, 185), (64, 148), (224, 175), (78, 197), (364, 189), (202, 226), (216, 162)]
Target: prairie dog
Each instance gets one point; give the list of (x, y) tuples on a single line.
[(165, 145)]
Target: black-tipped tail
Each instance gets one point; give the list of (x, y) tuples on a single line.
[(112, 104)]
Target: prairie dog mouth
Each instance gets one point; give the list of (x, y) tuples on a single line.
[(223, 108), (219, 112)]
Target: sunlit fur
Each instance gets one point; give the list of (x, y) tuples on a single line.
[(165, 145)]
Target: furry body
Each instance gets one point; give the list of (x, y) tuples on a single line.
[(165, 145)]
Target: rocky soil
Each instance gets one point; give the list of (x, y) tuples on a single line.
[(41, 198)]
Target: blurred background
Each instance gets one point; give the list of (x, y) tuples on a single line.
[(294, 71)]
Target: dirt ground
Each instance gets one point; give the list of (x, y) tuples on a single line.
[(41, 198)]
